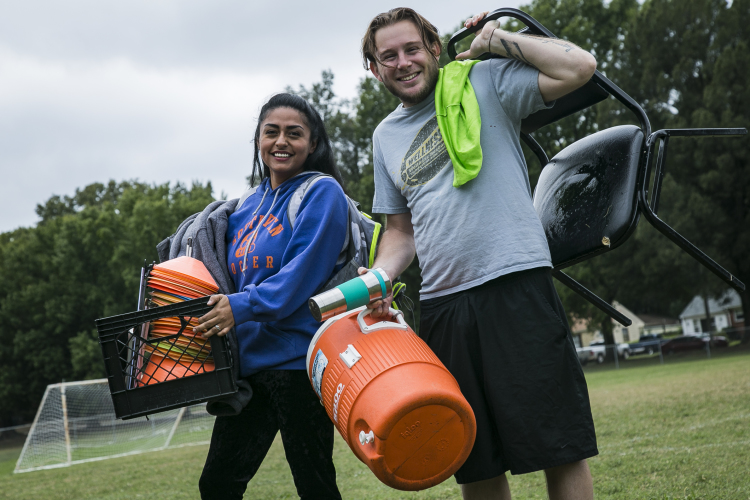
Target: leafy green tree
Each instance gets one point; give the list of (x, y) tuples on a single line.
[(686, 63), (666, 55), (714, 174), (81, 262)]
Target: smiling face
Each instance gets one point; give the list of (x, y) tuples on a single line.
[(285, 143), (405, 66)]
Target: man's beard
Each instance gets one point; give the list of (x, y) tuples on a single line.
[(431, 73)]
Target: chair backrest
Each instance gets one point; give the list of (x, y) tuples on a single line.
[(586, 196)]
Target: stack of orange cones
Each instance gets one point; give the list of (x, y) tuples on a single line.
[(176, 356)]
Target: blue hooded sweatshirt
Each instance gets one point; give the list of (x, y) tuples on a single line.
[(283, 268)]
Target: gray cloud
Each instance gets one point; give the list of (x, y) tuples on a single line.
[(160, 91)]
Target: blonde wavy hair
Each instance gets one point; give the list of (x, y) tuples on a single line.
[(427, 31)]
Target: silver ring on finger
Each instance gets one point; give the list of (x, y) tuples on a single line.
[(218, 328)]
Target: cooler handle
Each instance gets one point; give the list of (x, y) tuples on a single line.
[(382, 325)]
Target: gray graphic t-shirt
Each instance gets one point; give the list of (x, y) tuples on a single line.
[(486, 228)]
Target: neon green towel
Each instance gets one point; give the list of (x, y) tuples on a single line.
[(458, 118)]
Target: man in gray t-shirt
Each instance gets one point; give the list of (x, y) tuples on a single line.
[(489, 310), (486, 228)]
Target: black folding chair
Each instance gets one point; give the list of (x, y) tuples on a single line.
[(590, 195)]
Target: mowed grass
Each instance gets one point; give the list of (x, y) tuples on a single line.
[(675, 431)]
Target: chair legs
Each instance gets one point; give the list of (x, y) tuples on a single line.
[(692, 250), (591, 297), (680, 241), (649, 210)]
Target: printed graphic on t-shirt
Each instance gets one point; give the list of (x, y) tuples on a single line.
[(426, 156)]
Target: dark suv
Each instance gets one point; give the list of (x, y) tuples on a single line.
[(647, 344), (683, 343)]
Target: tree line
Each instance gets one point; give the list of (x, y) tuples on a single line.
[(685, 61)]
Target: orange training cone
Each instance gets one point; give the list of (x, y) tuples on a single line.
[(189, 269)]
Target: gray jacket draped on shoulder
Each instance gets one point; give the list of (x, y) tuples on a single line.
[(208, 229)]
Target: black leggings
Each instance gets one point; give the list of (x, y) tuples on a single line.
[(283, 400)]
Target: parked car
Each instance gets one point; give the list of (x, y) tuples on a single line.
[(591, 353), (683, 343), (719, 340), (597, 351), (623, 349), (647, 344)]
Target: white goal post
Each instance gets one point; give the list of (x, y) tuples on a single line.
[(76, 423)]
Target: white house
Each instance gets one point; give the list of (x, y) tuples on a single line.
[(725, 312), (642, 323), (626, 333)]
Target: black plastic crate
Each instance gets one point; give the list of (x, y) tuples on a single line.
[(125, 347)]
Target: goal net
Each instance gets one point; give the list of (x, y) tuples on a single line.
[(76, 423)]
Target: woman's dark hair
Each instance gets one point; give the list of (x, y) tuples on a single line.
[(321, 160)]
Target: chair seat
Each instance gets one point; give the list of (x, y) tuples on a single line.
[(586, 194)]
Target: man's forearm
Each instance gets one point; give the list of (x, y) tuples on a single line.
[(562, 66), (555, 58), (395, 252)]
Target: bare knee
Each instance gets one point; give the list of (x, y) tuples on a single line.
[(490, 489), (570, 482)]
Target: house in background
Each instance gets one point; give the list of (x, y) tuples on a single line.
[(626, 333), (725, 312), (653, 324), (582, 336), (642, 324)]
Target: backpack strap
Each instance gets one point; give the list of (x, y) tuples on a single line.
[(299, 194), (247, 194), (296, 201), (374, 243)]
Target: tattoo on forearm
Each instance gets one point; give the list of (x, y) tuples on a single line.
[(514, 51), (567, 46)]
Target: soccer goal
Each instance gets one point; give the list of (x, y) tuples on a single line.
[(76, 423)]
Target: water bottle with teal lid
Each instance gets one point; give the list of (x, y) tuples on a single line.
[(360, 291)]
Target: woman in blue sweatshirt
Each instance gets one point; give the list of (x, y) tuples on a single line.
[(277, 265)]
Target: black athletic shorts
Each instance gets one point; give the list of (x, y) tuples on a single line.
[(508, 344)]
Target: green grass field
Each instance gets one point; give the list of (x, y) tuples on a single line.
[(675, 431)]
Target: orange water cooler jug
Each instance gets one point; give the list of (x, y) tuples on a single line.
[(396, 405)]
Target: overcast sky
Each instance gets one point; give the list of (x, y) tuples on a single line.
[(162, 90)]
